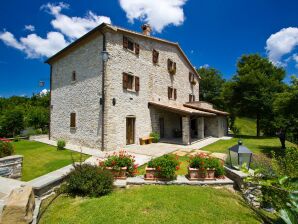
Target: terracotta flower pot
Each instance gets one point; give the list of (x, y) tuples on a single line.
[(193, 173), (150, 173), (118, 174)]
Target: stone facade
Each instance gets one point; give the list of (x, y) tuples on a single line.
[(83, 96), (11, 166)]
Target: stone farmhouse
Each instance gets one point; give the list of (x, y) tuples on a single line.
[(113, 86)]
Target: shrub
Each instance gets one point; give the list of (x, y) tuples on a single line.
[(203, 161), (121, 159), (89, 180), (61, 144), (155, 136), (165, 166), (6, 149), (286, 165)]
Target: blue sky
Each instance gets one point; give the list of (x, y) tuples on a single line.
[(211, 32)]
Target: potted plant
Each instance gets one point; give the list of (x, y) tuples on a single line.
[(204, 167), (120, 164), (162, 168)]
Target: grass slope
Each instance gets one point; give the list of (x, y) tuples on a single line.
[(152, 204), (40, 158), (247, 126)]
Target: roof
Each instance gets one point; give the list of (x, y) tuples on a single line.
[(210, 110), (179, 108), (239, 148), (105, 26)]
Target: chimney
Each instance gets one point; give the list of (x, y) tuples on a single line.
[(146, 29)]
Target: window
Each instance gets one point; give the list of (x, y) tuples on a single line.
[(191, 98), (130, 45), (72, 120), (131, 82), (172, 93), (171, 67), (192, 79), (155, 55), (73, 76)]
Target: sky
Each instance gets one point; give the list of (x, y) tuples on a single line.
[(212, 33)]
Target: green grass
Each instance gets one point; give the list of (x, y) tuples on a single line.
[(40, 158), (246, 125), (152, 204)]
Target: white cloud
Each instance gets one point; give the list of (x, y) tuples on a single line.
[(44, 92), (158, 13), (205, 66), (295, 58), (29, 27), (35, 46), (281, 43), (73, 27), (68, 29)]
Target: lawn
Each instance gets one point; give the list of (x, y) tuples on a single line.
[(152, 204), (246, 125), (40, 158)]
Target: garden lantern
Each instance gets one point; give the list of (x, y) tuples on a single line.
[(239, 155)]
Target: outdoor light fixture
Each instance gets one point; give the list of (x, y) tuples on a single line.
[(240, 156), (105, 56)]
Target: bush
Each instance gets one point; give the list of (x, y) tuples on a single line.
[(121, 159), (61, 144), (155, 136), (165, 166), (203, 161), (6, 149), (89, 180), (287, 164)]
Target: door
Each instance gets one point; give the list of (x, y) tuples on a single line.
[(130, 130), (162, 127)]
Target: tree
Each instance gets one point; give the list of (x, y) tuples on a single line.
[(38, 117), (252, 89), (211, 86), (285, 107), (11, 122)]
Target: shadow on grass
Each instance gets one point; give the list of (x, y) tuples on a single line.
[(252, 137), (267, 150)]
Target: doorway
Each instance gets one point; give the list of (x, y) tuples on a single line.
[(130, 130), (162, 127)]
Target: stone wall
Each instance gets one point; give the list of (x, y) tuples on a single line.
[(215, 126), (154, 83), (81, 97), (13, 164)]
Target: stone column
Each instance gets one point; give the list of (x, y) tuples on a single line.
[(200, 123), (186, 130)]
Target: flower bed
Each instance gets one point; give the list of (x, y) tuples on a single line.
[(162, 168), (204, 167), (120, 164)]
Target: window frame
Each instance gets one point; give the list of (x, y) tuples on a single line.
[(133, 79)]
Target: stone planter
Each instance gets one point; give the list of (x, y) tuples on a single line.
[(197, 174), (150, 173), (11, 166), (118, 174)]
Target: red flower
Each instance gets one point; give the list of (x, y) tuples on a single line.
[(177, 167), (158, 168)]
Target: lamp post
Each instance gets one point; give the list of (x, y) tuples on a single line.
[(240, 155)]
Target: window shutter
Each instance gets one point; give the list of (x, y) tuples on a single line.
[(155, 56), (125, 42), (169, 64), (137, 84), (174, 68), (175, 94), (73, 120), (190, 98), (137, 49), (169, 92), (125, 80), (193, 98)]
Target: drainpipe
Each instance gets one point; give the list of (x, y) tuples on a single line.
[(103, 89)]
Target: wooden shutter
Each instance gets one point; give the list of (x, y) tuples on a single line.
[(189, 98), (193, 98), (169, 92), (175, 94), (174, 67), (125, 42), (137, 49), (125, 80), (169, 64), (73, 120), (155, 56), (137, 84)]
